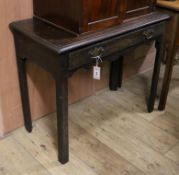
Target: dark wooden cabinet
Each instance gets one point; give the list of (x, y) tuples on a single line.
[(79, 16)]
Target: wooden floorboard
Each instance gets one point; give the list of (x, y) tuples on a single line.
[(102, 125), (15, 160), (111, 133), (173, 154)]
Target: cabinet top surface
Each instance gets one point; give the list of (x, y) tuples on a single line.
[(173, 5), (62, 41)]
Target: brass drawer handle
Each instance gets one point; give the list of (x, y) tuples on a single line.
[(149, 33), (96, 52)]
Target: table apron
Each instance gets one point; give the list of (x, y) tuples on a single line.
[(83, 56)]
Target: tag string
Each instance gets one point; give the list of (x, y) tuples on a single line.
[(98, 59)]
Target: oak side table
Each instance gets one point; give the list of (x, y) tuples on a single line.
[(62, 53)]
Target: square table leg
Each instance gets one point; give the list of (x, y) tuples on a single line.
[(21, 63), (159, 44), (62, 116), (116, 73)]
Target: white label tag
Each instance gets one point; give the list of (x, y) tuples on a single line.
[(96, 73)]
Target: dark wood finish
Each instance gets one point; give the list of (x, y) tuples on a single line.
[(61, 54), (168, 74), (139, 7), (81, 16), (21, 64), (113, 45), (24, 93), (101, 14), (62, 116), (156, 72), (116, 73), (172, 35)]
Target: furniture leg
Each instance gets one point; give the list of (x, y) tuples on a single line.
[(21, 62), (172, 39), (168, 70), (116, 73), (62, 117), (166, 84), (155, 78)]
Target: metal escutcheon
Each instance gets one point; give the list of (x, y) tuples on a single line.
[(97, 52), (148, 33)]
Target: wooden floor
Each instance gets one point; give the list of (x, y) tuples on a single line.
[(110, 134)]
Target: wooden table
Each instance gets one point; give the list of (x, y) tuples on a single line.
[(61, 54), (172, 37)]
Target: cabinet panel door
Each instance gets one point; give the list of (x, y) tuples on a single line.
[(136, 4), (103, 13), (102, 9), (138, 7)]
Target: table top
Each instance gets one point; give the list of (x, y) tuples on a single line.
[(62, 41), (173, 5)]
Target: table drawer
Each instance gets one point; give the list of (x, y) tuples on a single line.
[(110, 46)]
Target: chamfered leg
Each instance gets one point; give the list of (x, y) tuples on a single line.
[(159, 54), (168, 73), (166, 84), (116, 73), (21, 62), (62, 117)]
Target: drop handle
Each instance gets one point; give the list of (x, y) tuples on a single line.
[(96, 52), (148, 33)]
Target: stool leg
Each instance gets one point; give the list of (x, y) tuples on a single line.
[(62, 117), (21, 62), (160, 51), (116, 73)]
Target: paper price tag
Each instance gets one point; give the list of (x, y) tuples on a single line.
[(96, 73)]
